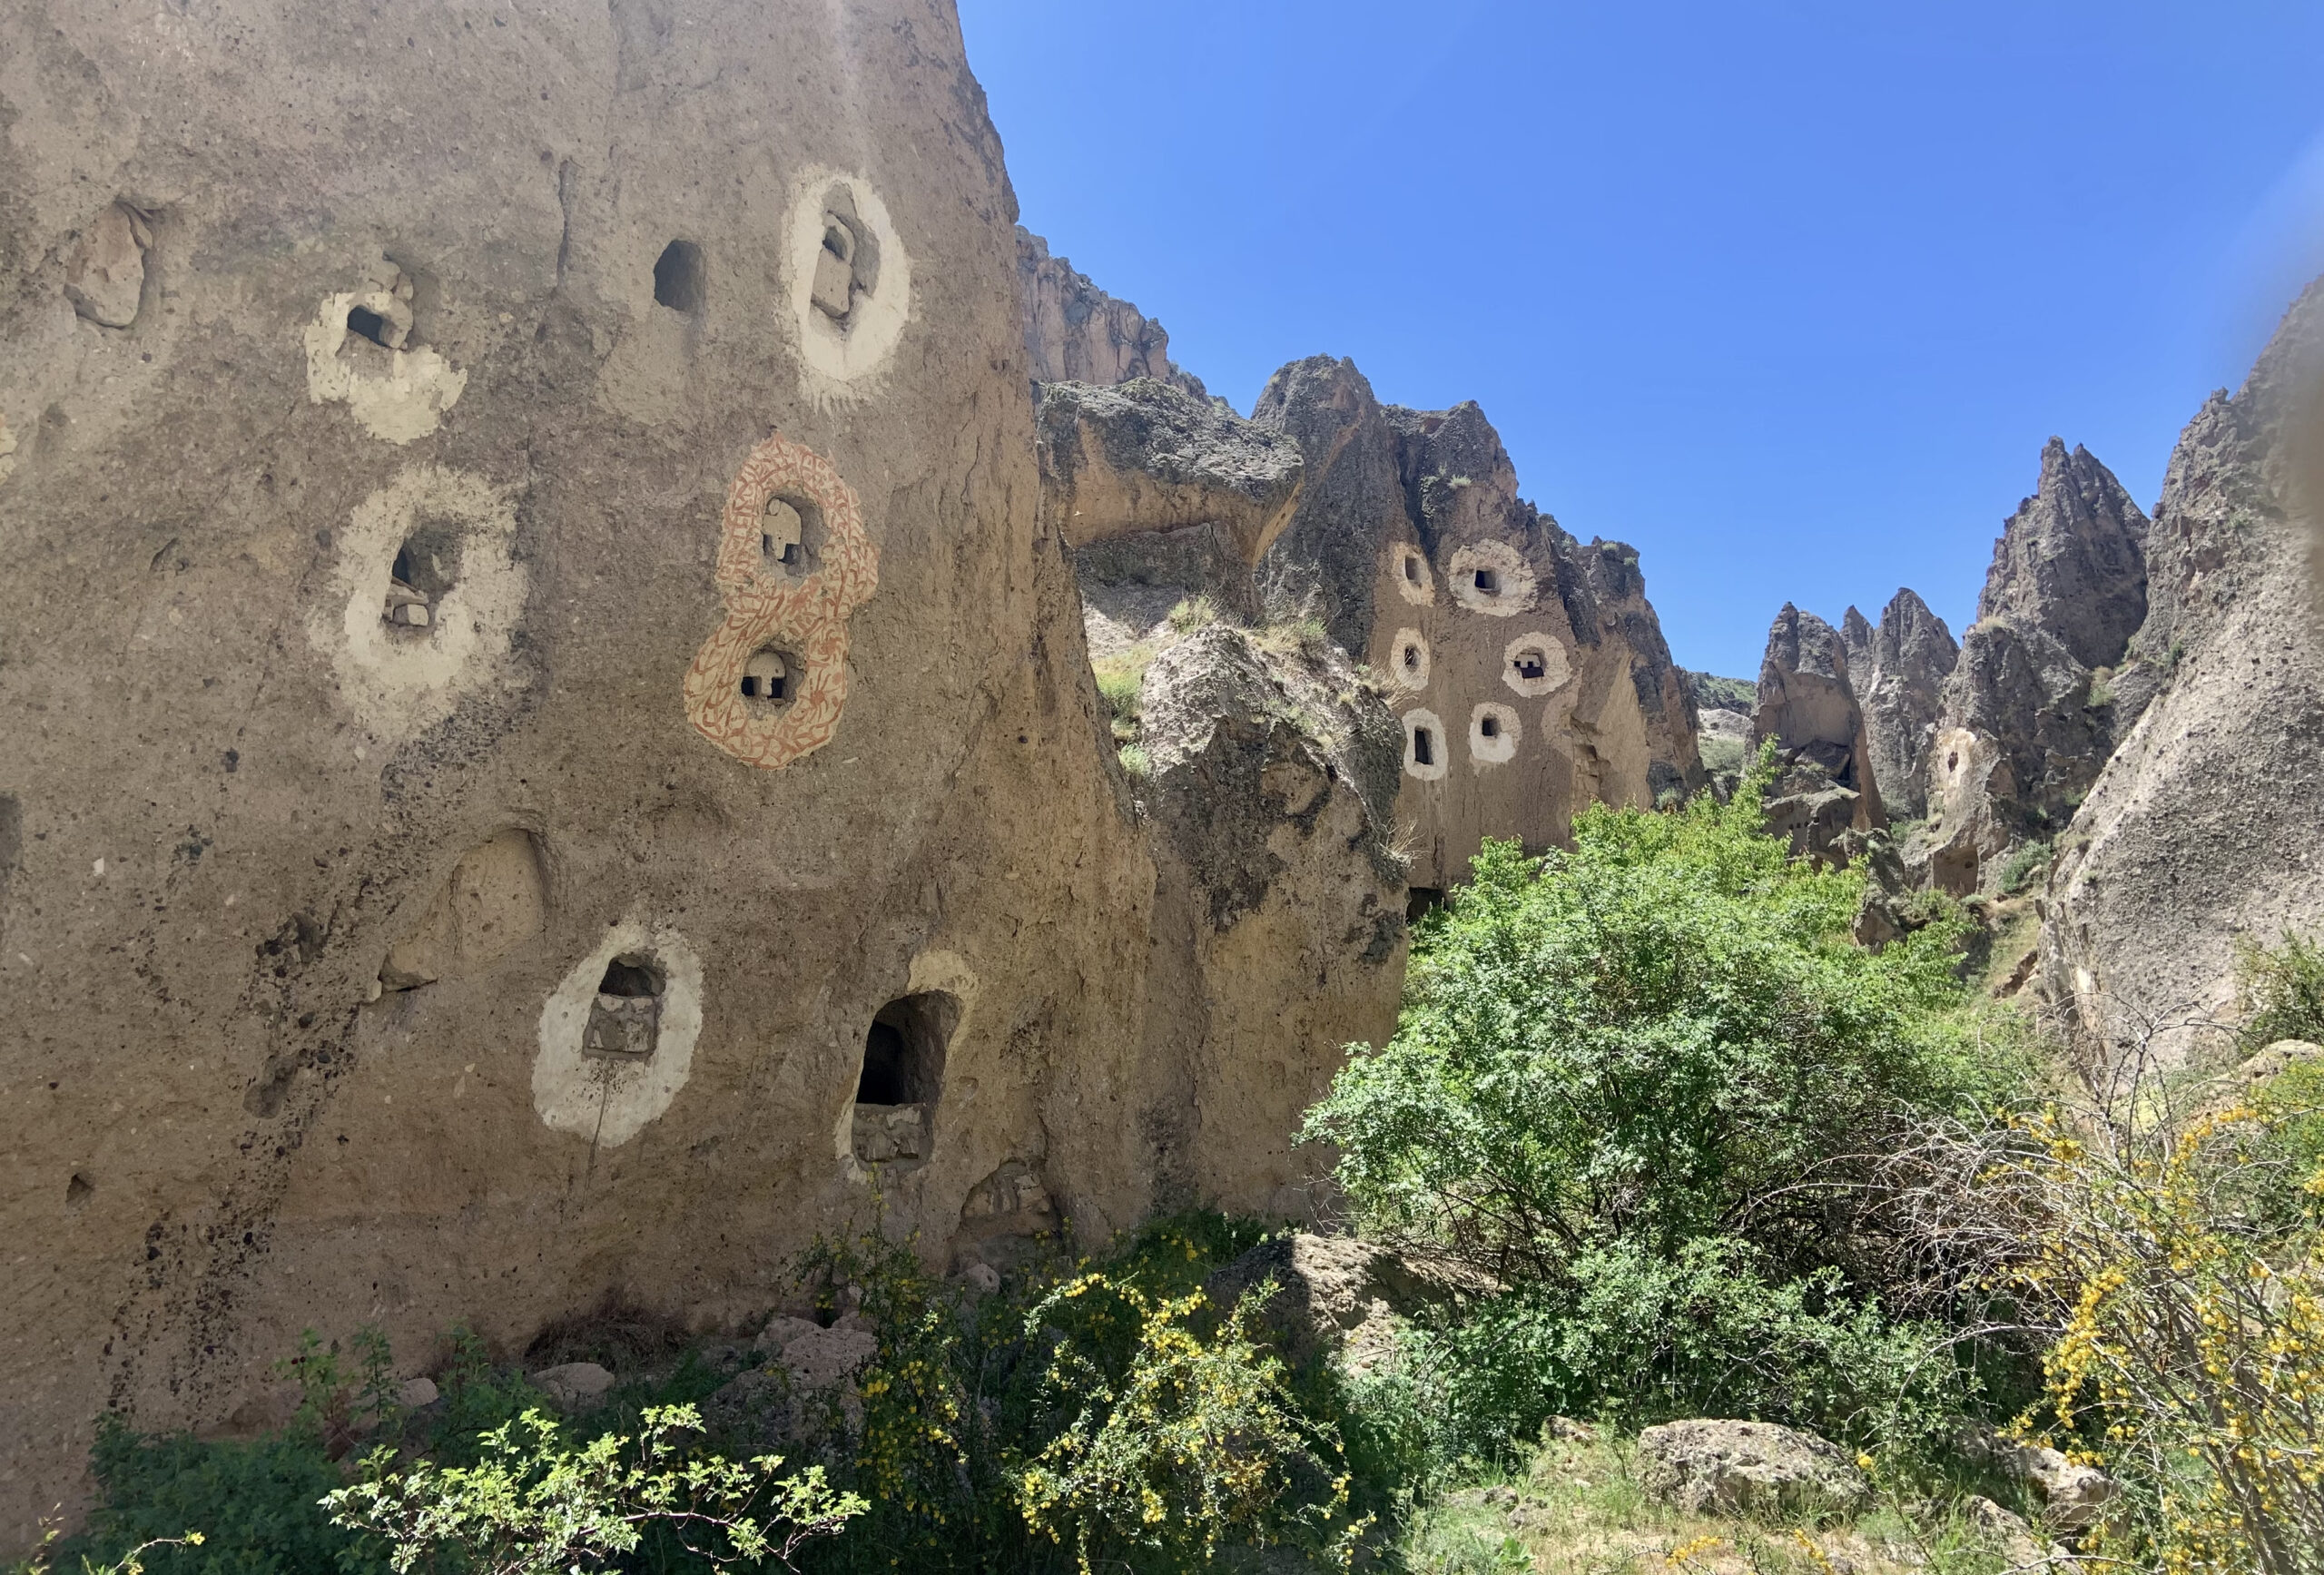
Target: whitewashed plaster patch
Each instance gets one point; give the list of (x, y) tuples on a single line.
[(1426, 749), (1493, 732), (397, 396), (609, 1100), (1534, 665), (1491, 578), (1408, 660), (848, 280), (401, 679)]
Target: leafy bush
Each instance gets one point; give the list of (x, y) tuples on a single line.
[(1649, 1085), (2028, 862), (1638, 1338), (1724, 756), (2282, 991), (2186, 1303), (258, 1505), (1023, 1431), (537, 1505), (1196, 1443), (1658, 1036)]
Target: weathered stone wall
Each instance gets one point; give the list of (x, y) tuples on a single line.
[(534, 644), (1528, 669), (2201, 827), (1076, 332)]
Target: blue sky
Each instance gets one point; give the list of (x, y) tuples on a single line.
[(1785, 293)]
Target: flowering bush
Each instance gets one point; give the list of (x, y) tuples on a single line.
[(2183, 1274)]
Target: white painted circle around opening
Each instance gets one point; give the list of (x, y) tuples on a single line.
[(1493, 732), (1534, 665), (596, 1097), (1491, 578), (1408, 660)]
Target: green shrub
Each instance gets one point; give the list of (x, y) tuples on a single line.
[(1724, 756), (2280, 990), (1194, 1443), (1192, 613), (535, 1504), (258, 1505), (992, 1429), (1652, 1037), (1635, 1338), (2027, 863)]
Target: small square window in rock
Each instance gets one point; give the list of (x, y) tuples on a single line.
[(1489, 727), (791, 536), (767, 678), (1488, 581), (1532, 665), (902, 1076), (677, 277), (1424, 747), (847, 265), (1412, 659), (425, 567), (626, 1018)]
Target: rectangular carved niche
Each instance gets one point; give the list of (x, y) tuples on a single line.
[(625, 1017)]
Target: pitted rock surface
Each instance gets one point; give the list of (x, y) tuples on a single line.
[(1143, 456), (2031, 711), (1899, 670), (1748, 1468), (2202, 826)]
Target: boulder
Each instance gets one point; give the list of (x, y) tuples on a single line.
[(829, 1356), (1748, 1468), (2015, 1539), (416, 1393), (573, 1384), (2076, 1494), (2201, 828), (1144, 456), (1332, 1293)]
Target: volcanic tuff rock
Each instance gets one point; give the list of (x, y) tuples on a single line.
[(1076, 332), (2202, 826), (1144, 456), (1826, 798), (1530, 673), (591, 705), (2029, 713), (1898, 672)]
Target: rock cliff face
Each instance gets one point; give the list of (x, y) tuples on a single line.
[(2202, 826), (1828, 797), (1898, 671), (1076, 332), (550, 749), (1530, 673), (2029, 712)]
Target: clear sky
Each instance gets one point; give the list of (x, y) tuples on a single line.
[(1787, 293)]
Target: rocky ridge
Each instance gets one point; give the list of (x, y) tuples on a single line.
[(2199, 830)]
